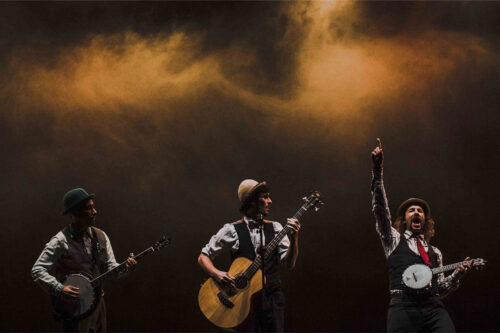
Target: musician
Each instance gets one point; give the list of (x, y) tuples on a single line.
[(243, 239), (407, 243), (79, 247)]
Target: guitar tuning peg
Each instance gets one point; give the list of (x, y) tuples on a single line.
[(304, 198)]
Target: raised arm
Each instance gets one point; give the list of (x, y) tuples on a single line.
[(380, 205)]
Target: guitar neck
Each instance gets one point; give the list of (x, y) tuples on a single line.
[(121, 266), (446, 268), (257, 263)]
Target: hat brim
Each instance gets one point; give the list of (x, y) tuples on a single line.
[(252, 193), (414, 201), (68, 209)]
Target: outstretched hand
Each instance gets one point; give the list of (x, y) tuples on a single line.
[(378, 155)]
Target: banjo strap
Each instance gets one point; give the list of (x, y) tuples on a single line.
[(98, 247)]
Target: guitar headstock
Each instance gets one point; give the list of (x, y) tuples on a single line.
[(478, 263), (313, 200), (164, 241)]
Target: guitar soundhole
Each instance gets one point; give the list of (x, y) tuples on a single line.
[(241, 282)]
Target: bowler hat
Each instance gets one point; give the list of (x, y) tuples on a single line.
[(74, 197), (247, 189), (414, 201)]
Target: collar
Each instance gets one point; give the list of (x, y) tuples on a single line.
[(78, 234), (251, 223), (408, 234)]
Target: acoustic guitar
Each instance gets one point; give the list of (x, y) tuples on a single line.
[(228, 307), (90, 288)]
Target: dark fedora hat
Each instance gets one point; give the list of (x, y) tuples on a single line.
[(75, 197), (414, 201), (247, 190)]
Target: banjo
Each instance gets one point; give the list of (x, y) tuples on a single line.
[(419, 276), (90, 288)]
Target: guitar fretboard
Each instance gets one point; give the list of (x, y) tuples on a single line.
[(250, 271)]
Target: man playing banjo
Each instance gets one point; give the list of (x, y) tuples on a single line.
[(406, 244), (78, 248)]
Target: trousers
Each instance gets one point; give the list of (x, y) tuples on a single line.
[(95, 322), (267, 314), (412, 314)]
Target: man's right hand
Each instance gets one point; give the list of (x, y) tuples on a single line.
[(224, 278), (378, 155), (71, 292)]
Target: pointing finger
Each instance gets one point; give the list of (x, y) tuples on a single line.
[(379, 143)]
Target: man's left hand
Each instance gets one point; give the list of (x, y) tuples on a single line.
[(130, 264), (294, 226), (460, 271)]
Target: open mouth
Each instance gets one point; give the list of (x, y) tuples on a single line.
[(416, 223)]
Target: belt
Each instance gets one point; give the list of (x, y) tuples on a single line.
[(412, 292)]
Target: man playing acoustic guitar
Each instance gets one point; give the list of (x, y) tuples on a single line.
[(78, 248), (243, 239), (407, 244)]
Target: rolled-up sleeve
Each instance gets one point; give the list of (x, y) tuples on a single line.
[(49, 256), (285, 242), (110, 256), (446, 285), (225, 238)]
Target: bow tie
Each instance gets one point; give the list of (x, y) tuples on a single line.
[(419, 236), (253, 224)]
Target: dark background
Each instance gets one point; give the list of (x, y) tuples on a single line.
[(166, 158)]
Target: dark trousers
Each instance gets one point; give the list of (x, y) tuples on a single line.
[(96, 322), (267, 314), (410, 314)]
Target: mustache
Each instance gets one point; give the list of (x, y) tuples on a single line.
[(416, 218)]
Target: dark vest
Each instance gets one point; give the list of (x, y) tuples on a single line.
[(77, 260), (247, 250), (401, 258)]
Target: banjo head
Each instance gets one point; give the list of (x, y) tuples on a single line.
[(417, 276), (83, 306)]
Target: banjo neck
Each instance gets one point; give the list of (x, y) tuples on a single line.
[(121, 266), (158, 245), (446, 268)]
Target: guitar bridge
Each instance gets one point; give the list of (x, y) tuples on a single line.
[(227, 303)]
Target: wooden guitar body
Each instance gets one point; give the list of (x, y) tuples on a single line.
[(229, 308)]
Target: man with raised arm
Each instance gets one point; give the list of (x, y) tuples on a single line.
[(405, 243), (243, 239)]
